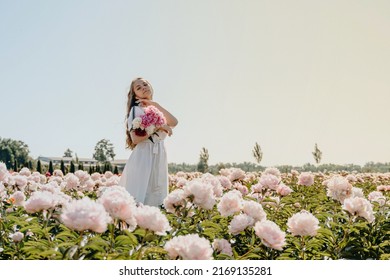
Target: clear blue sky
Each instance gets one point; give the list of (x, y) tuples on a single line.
[(285, 74)]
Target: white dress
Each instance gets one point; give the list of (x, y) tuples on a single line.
[(145, 175)]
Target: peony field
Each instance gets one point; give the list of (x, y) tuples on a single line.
[(233, 215)]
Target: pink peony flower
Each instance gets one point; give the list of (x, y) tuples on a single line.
[(249, 178), (303, 224), (351, 178), (294, 172), (223, 246), (273, 171), (377, 197), (108, 174), (25, 172), (284, 190), (257, 188), (358, 206), (270, 234), (236, 174), (202, 193), (230, 203), (181, 182), (58, 173), (82, 175), (120, 205), (18, 197), (35, 177), (217, 187), (17, 236), (225, 182), (85, 214), (306, 179), (150, 217), (189, 247), (338, 188), (39, 201), (174, 199), (3, 192), (357, 192), (243, 189), (20, 181), (240, 223), (96, 176), (254, 210), (269, 181), (149, 121), (3, 172), (72, 181), (383, 188)]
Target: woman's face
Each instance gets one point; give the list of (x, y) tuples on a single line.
[(142, 89)]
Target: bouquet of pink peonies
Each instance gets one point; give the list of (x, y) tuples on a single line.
[(148, 123)]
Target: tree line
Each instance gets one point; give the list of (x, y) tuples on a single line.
[(15, 154)]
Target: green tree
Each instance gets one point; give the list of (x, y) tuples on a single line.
[(15, 167), (317, 154), (203, 161), (257, 153), (116, 171), (80, 166), (30, 165), (72, 167), (68, 153), (97, 168), (11, 150), (104, 151), (51, 169), (107, 167), (62, 167), (7, 156), (39, 167)]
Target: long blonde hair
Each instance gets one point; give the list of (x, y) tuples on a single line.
[(131, 98)]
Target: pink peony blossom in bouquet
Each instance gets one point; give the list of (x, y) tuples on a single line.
[(148, 122)]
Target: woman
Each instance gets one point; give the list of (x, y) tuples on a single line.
[(145, 175)]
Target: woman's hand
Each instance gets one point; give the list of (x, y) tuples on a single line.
[(171, 120), (166, 128)]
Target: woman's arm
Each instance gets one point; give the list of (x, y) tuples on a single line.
[(171, 120)]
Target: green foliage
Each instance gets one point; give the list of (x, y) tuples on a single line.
[(13, 151)]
